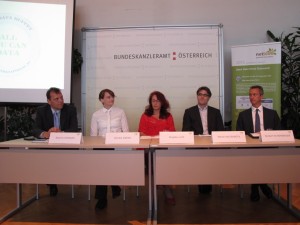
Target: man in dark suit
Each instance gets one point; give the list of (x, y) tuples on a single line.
[(56, 116), (203, 119), (254, 120)]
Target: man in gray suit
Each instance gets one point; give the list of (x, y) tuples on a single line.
[(254, 120), (202, 119)]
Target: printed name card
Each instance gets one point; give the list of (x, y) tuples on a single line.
[(228, 136), (277, 136), (65, 138), (122, 138), (185, 137)]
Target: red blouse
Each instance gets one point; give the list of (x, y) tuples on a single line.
[(151, 126)]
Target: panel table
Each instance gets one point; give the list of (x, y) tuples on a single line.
[(205, 162), (27, 162)]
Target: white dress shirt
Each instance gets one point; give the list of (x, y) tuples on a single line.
[(203, 115), (261, 116), (108, 120)]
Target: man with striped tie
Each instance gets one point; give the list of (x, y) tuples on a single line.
[(254, 120)]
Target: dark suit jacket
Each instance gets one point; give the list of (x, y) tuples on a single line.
[(44, 119), (192, 120), (245, 122)]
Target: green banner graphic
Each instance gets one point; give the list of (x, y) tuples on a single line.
[(256, 65)]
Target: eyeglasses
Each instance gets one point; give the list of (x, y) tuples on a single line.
[(204, 95)]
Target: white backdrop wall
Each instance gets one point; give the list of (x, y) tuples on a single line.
[(134, 62), (245, 22)]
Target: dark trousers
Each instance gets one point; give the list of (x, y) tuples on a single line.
[(205, 189), (101, 191), (264, 187)]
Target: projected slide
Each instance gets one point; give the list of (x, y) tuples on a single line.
[(33, 50)]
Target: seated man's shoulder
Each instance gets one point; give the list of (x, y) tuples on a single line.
[(42, 107), (69, 106), (192, 108), (244, 111), (213, 108), (270, 111)]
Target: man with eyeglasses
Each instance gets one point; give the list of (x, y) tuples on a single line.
[(56, 116), (203, 119), (254, 120)]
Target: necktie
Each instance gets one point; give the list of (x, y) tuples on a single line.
[(257, 122), (108, 121), (56, 119)]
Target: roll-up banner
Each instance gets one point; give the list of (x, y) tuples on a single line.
[(257, 64)]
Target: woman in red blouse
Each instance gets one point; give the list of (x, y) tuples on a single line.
[(157, 118)]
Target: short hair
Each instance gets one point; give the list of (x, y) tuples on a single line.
[(52, 89), (261, 90), (204, 88), (102, 93), (165, 106)]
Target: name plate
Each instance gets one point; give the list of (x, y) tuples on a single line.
[(277, 136), (228, 136), (122, 138), (65, 138), (185, 137)]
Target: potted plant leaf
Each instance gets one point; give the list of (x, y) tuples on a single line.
[(290, 80)]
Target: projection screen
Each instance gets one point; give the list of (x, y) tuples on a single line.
[(133, 62), (35, 49)]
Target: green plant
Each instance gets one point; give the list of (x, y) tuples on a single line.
[(290, 79), (1, 128), (19, 121), (77, 61)]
